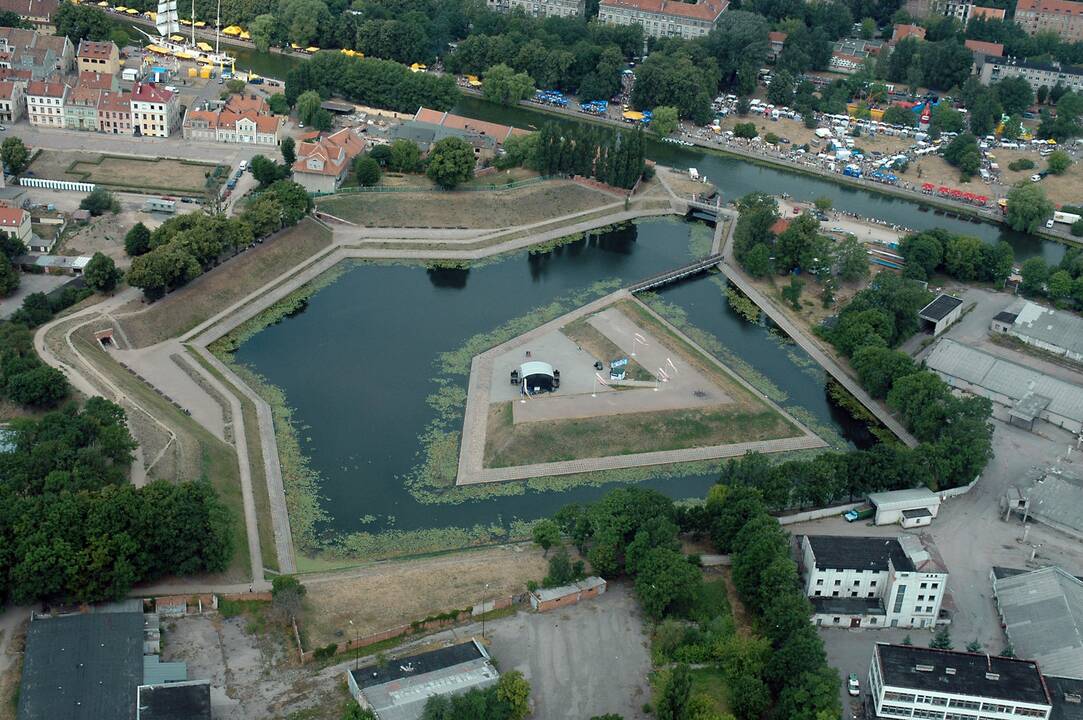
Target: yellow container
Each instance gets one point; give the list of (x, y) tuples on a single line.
[(205, 73), (192, 72)]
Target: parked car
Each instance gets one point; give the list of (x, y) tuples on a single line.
[(1049, 223), (1035, 178), (853, 685)]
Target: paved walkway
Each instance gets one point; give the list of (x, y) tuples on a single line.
[(730, 269)]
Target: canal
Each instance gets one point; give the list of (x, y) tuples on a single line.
[(362, 368)]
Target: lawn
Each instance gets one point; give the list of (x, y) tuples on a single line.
[(495, 209), (386, 595), (219, 288), (123, 172), (708, 681), (508, 445)]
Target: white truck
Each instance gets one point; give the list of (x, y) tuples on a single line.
[(1064, 217)]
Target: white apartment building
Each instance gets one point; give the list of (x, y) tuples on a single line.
[(872, 582), (45, 103), (664, 18), (541, 8), (155, 111), (12, 101), (916, 682)]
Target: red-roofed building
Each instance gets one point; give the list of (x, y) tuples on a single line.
[(988, 49), (45, 103), (901, 32), (115, 113), (97, 81), (664, 18), (155, 112), (12, 101), (99, 57), (776, 41), (1062, 17), (39, 12), (986, 13), (457, 122), (324, 163), (81, 109), (240, 120), (15, 221)]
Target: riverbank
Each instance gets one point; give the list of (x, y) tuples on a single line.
[(951, 209)]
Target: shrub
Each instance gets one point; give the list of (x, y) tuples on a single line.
[(1021, 164), (327, 651)]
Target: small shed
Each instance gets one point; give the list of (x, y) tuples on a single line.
[(941, 313), (891, 507), (129, 74), (160, 205), (545, 599)]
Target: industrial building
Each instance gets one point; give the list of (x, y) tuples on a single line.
[(1052, 496), (907, 681), (1023, 394), (872, 582), (1067, 697), (104, 665), (1042, 615), (399, 689), (941, 313), (1055, 331), (910, 508), (546, 599)]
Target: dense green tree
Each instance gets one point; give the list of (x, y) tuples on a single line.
[(664, 119), (9, 277), (665, 580), (1028, 207), (82, 22), (546, 534), (278, 104), (1034, 273), (1058, 162), (367, 170), (1015, 95), (451, 162), (308, 104), (1059, 285), (101, 273), (758, 260), (879, 368), (679, 81), (137, 240), (15, 154), (896, 115), (405, 156), (289, 152), (513, 694), (505, 86), (100, 201), (852, 258), (676, 692), (41, 387), (963, 256)]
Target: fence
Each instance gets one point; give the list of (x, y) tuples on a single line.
[(437, 622), (57, 184)]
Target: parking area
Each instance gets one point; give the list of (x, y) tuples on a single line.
[(29, 284), (584, 660), (972, 537)]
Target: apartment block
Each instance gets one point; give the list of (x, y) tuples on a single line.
[(872, 582), (663, 18), (541, 8), (1062, 17)]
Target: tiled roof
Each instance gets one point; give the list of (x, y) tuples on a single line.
[(90, 79), (986, 48), (149, 92), (1061, 7), (7, 89), (44, 88), (458, 122), (114, 102), (987, 13), (83, 96), (707, 10), (12, 217), (227, 119), (241, 104), (13, 74), (96, 50), (904, 31), (31, 8), (776, 36), (335, 150)]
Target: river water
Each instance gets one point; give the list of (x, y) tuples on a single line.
[(360, 362)]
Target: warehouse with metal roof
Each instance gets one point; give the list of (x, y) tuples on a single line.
[(1028, 395), (1042, 612), (1057, 331)]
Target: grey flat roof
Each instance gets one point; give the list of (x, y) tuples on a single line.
[(544, 594), (399, 690), (1005, 378), (939, 308), (82, 667), (1043, 617), (916, 513), (1058, 328), (1057, 497), (175, 701), (1065, 693), (1030, 405), (974, 674), (905, 499), (859, 553)]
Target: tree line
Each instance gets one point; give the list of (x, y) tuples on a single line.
[(185, 246), (614, 157), (379, 83), (963, 257), (73, 529), (1061, 283)]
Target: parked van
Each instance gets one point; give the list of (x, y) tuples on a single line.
[(243, 165)]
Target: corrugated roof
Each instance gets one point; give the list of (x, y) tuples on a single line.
[(1005, 378), (1058, 328), (156, 672), (905, 499), (1043, 613), (545, 594), (1056, 496)]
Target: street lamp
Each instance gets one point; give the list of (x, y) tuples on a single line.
[(356, 653), (483, 612)]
